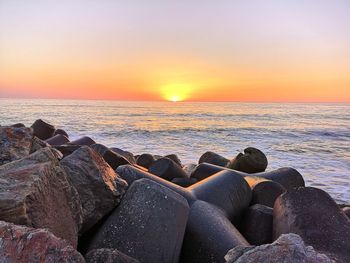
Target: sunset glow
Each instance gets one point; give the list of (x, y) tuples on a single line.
[(289, 51)]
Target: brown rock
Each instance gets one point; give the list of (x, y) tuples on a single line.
[(252, 161), (167, 169), (36, 192), (20, 244), (66, 149), (58, 139), (42, 129), (108, 255), (111, 157), (99, 187), (85, 140), (62, 132), (127, 155)]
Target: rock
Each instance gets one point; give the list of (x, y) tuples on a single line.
[(145, 160), (58, 139), (346, 211), (20, 244), (314, 215), (287, 177), (62, 132), (35, 191), (266, 192), (167, 169), (252, 161), (204, 170), (112, 158), (42, 129), (288, 248), (175, 158), (15, 143), (107, 255), (38, 144), (148, 225), (18, 125), (213, 158), (209, 235), (189, 168), (256, 225), (127, 155), (87, 141), (99, 187), (66, 149), (184, 182)]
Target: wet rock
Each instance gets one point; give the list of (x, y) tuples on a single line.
[(66, 149), (87, 141), (42, 129), (112, 158), (256, 225), (175, 158), (15, 143), (107, 255), (288, 248), (167, 169), (184, 182), (62, 132), (127, 155), (145, 160), (58, 139), (18, 125), (314, 215), (99, 187), (20, 244), (149, 224), (266, 192), (252, 161), (35, 191), (189, 168), (209, 235), (288, 177), (213, 158)]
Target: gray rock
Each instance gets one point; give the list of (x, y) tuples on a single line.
[(20, 244), (85, 140), (288, 248), (148, 225), (112, 158), (213, 158), (145, 160), (314, 215), (256, 225), (66, 149), (189, 168), (99, 187), (35, 191), (167, 169), (108, 255), (127, 155), (15, 143), (252, 161), (42, 129), (286, 176), (266, 193), (58, 139), (175, 158), (184, 182)]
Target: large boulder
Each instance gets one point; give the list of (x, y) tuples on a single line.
[(42, 129), (167, 169), (58, 139), (213, 158), (99, 187), (85, 140), (15, 143), (36, 192), (314, 215), (112, 158), (20, 244), (149, 224), (252, 161), (127, 155), (288, 248), (108, 255)]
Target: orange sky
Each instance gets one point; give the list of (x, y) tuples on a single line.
[(214, 52)]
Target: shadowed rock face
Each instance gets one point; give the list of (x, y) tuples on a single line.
[(288, 248), (145, 160), (112, 158), (15, 143), (252, 161), (149, 224), (107, 255), (20, 244), (99, 187), (213, 158), (266, 192), (167, 169), (58, 139), (36, 192), (43, 130), (314, 215)]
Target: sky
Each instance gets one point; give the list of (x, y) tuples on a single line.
[(195, 50)]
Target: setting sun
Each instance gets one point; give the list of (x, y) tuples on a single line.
[(176, 92)]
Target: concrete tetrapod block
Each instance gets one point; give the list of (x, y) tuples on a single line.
[(148, 225), (314, 215), (213, 158), (266, 192), (145, 160), (167, 169)]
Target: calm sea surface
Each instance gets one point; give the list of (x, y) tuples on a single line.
[(313, 138)]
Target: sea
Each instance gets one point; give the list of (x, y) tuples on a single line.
[(312, 138)]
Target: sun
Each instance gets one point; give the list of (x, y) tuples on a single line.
[(176, 92)]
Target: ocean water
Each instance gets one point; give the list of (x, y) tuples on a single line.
[(312, 138)]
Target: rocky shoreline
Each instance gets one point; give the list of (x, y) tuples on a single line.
[(80, 201)]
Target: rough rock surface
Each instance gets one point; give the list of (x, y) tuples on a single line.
[(314, 215), (58, 139), (167, 169), (289, 248), (36, 192), (213, 158), (15, 143), (42, 129), (145, 160), (108, 255), (20, 244), (149, 224), (127, 155), (252, 161), (99, 187), (112, 158)]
